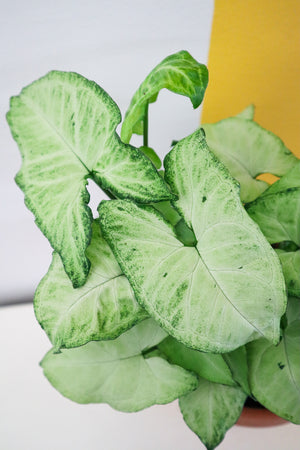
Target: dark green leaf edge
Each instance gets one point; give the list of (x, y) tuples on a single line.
[(79, 279), (143, 102), (58, 344)]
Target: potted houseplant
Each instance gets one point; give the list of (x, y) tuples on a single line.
[(187, 284)]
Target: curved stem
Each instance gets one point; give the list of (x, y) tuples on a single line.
[(145, 133)]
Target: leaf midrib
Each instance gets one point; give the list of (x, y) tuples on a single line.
[(38, 112), (227, 298), (75, 304)]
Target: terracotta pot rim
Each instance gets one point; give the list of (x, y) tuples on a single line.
[(259, 417)]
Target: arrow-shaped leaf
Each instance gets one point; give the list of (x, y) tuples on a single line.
[(228, 289), (248, 150), (180, 73), (116, 372), (274, 372), (65, 127), (102, 309), (211, 410)]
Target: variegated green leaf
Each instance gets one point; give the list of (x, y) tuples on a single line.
[(290, 180), (207, 365), (248, 150), (274, 372), (116, 372), (291, 270), (211, 410), (228, 289), (277, 211), (180, 73), (103, 308), (65, 127)]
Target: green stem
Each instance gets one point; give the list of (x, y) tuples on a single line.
[(145, 134)]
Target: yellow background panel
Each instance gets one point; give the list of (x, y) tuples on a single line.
[(254, 58)]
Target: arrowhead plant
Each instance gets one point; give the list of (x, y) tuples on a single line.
[(187, 284)]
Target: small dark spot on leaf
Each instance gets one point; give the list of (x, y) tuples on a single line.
[(281, 366), (240, 267), (165, 274), (73, 124), (204, 199)]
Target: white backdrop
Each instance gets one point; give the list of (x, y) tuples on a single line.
[(116, 43)]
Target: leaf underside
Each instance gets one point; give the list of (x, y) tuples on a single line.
[(180, 73), (65, 127), (210, 366), (102, 309), (117, 373), (226, 291)]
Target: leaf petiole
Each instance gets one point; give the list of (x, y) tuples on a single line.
[(145, 126)]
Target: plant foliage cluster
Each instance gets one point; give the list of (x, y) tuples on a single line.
[(187, 284)]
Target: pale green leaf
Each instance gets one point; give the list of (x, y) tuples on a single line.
[(247, 113), (180, 73), (274, 372), (65, 127), (103, 308), (290, 180), (248, 150), (277, 211), (291, 270), (215, 297), (237, 362), (211, 410), (278, 215), (116, 372), (207, 365)]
